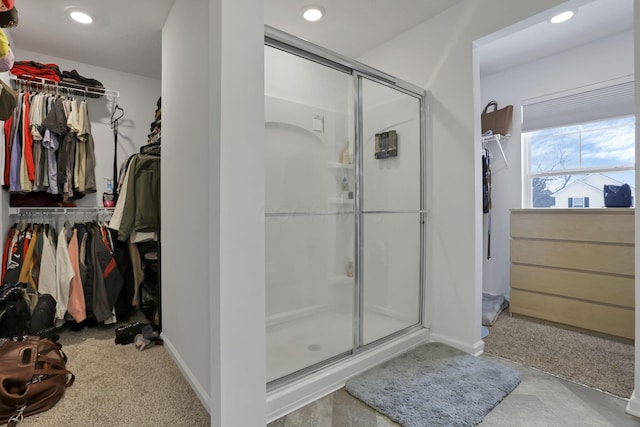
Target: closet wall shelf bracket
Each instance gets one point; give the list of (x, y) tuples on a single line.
[(497, 139), (48, 84)]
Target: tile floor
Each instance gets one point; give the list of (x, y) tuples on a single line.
[(539, 400)]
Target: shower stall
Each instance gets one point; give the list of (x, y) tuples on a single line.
[(344, 207)]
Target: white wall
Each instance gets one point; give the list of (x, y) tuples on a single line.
[(600, 61), (438, 56), (213, 204), (186, 220)]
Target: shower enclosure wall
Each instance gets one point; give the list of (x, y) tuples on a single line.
[(344, 212)]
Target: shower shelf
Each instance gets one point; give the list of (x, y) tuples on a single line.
[(336, 165), (341, 280), (340, 201)]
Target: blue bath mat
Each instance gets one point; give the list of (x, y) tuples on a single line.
[(434, 385)]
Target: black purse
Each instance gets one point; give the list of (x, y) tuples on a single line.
[(15, 315), (617, 196)]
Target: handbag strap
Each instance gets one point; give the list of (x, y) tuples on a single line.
[(39, 374), (495, 107)]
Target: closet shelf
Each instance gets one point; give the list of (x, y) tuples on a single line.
[(497, 139), (60, 210), (66, 87)]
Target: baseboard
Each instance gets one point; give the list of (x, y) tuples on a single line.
[(475, 349), (293, 396), (205, 399), (633, 405)]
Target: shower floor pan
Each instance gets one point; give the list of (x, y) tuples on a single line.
[(300, 343)]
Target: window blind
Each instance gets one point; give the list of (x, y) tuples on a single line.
[(597, 104)]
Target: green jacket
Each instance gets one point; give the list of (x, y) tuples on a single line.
[(142, 208)]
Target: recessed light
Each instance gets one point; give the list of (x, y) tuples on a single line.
[(562, 17), (313, 13), (81, 17)]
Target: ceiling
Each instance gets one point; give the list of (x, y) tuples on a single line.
[(126, 35), (537, 37), (352, 27)]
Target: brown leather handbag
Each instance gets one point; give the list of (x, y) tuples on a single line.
[(33, 378), (497, 121)]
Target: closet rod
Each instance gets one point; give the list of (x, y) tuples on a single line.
[(65, 87), (59, 210), (495, 138)]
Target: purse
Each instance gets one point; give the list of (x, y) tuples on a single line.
[(617, 196), (33, 378), (497, 121), (15, 313)]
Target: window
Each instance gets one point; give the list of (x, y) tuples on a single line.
[(569, 165), (577, 141), (578, 202)]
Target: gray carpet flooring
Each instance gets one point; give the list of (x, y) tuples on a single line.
[(117, 385), (597, 362)]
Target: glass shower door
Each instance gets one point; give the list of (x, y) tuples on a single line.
[(309, 213), (390, 226)]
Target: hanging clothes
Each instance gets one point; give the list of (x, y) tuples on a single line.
[(7, 150), (486, 194), (15, 256), (27, 167), (49, 147), (47, 282), (64, 273), (50, 143), (138, 207), (16, 147), (79, 267), (76, 304)]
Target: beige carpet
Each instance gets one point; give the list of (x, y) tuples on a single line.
[(593, 361), (117, 385)]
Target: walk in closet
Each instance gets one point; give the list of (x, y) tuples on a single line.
[(81, 208)]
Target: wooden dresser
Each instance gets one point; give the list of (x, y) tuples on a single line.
[(575, 267)]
